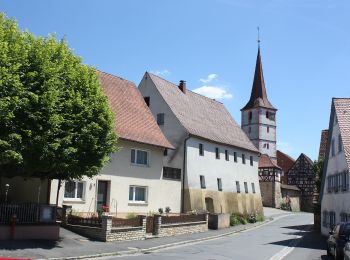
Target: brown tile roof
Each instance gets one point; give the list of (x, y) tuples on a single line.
[(202, 116), (342, 110), (265, 161), (323, 145), (134, 120), (258, 97), (284, 161)]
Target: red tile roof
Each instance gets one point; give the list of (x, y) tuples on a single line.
[(285, 162), (201, 116), (265, 161), (134, 120), (258, 97), (342, 110), (323, 145)]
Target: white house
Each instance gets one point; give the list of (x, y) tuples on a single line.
[(217, 161), (134, 180), (335, 194)]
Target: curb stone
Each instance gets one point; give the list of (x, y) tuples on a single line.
[(170, 245)]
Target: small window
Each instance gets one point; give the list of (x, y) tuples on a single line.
[(146, 100), (250, 116), (217, 153), (201, 150), (219, 184), (160, 119), (235, 156), (267, 114), (73, 190), (238, 187), (246, 187), (253, 187), (227, 157), (251, 161), (138, 194), (171, 173), (202, 180), (139, 157), (243, 158), (340, 146), (267, 146), (165, 152), (268, 129)]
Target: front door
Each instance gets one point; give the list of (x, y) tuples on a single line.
[(101, 194)]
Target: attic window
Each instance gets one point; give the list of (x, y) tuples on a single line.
[(250, 116), (217, 153), (146, 100), (160, 119)]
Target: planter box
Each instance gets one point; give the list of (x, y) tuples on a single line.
[(219, 221)]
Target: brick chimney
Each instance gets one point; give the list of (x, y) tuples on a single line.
[(182, 86)]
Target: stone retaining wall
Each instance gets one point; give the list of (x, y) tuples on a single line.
[(109, 233), (182, 228)]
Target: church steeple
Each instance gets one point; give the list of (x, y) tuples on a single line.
[(258, 96)]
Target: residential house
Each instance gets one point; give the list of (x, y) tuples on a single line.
[(134, 180), (219, 164), (335, 195)]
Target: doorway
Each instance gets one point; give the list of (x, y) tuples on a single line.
[(102, 187), (209, 205)]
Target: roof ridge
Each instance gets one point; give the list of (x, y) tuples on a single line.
[(115, 76), (214, 100), (290, 157)]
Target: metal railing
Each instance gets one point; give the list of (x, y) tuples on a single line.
[(26, 213)]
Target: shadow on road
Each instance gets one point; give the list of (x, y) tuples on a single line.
[(311, 239)]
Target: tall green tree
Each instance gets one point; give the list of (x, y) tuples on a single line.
[(318, 170), (55, 121)]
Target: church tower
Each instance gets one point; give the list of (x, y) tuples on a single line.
[(259, 115)]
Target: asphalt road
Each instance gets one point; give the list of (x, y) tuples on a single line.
[(289, 237)]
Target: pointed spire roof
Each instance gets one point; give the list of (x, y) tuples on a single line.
[(258, 97)]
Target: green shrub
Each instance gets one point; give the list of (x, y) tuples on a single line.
[(260, 217), (234, 220), (131, 215)]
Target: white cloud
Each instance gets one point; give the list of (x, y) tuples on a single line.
[(214, 92), (209, 78), (285, 147), (163, 73)]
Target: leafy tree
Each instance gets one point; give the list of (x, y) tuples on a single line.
[(318, 170), (55, 121)]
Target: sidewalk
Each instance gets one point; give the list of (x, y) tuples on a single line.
[(76, 246)]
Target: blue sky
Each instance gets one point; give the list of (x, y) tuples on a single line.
[(305, 50)]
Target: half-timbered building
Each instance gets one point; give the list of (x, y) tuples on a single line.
[(301, 174)]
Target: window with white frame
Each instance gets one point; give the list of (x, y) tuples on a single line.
[(138, 194), (139, 157), (74, 190)]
